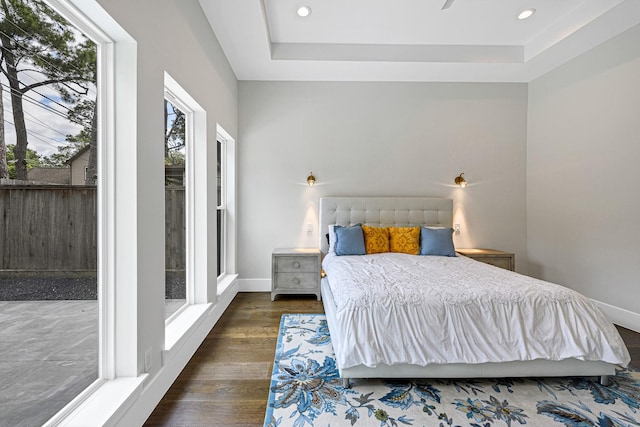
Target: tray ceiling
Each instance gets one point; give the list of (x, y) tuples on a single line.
[(411, 40)]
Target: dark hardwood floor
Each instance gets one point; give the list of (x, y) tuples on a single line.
[(226, 383), (632, 340)]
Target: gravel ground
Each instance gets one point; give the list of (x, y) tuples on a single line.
[(49, 288)]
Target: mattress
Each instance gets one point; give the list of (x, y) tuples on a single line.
[(395, 309)]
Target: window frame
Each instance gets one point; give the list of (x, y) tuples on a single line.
[(229, 181), (222, 206), (195, 211), (171, 86), (116, 105)]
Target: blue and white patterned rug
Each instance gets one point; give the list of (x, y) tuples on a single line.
[(306, 391)]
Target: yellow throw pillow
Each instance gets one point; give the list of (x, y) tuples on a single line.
[(376, 239), (405, 240)]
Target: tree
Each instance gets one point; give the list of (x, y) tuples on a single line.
[(87, 136), (34, 38), (32, 160), (174, 158), (82, 109), (174, 137), (92, 167), (65, 152)]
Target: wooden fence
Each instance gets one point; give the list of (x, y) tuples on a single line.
[(54, 228)]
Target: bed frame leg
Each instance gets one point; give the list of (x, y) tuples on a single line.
[(345, 383), (605, 380)]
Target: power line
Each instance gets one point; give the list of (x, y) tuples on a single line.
[(36, 135), (60, 72), (49, 46), (39, 136), (36, 120), (47, 107), (24, 94), (41, 123), (46, 97), (33, 52), (35, 101), (52, 100), (35, 80)]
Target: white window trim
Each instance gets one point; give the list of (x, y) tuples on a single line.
[(222, 205), (118, 377), (196, 266), (171, 88)]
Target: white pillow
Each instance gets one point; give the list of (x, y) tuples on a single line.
[(332, 239)]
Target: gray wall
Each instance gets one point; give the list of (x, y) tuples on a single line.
[(582, 170), (405, 139)]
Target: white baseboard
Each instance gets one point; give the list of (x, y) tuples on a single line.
[(155, 389), (620, 316), (254, 285)]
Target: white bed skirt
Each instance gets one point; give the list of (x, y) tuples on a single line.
[(533, 368)]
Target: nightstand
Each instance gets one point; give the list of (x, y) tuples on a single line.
[(295, 271), (500, 259)]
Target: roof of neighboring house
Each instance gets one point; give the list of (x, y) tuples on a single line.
[(50, 175), (78, 154)]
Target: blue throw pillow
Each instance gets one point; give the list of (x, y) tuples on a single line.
[(436, 241), (349, 240)]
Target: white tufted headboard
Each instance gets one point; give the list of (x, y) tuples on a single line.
[(383, 212)]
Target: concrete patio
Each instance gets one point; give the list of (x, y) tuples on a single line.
[(48, 355)]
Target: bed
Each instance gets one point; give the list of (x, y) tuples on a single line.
[(467, 320)]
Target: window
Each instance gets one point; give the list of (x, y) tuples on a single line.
[(127, 347), (116, 255), (226, 187), (189, 152), (221, 152), (177, 136), (49, 245)]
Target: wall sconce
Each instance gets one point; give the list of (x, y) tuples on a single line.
[(460, 181), (311, 180)]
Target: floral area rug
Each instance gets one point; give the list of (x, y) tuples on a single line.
[(307, 391)]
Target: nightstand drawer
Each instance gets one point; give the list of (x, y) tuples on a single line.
[(493, 257), (296, 280), (498, 262), (296, 264)]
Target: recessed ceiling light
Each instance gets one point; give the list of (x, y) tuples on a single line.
[(304, 11), (526, 13)]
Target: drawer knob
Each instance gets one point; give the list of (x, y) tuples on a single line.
[(296, 264), (295, 281)]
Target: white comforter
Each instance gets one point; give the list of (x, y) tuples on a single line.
[(406, 309)]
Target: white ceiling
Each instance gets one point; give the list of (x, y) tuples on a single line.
[(411, 40)]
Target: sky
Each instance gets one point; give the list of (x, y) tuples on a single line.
[(45, 112), (46, 129)]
